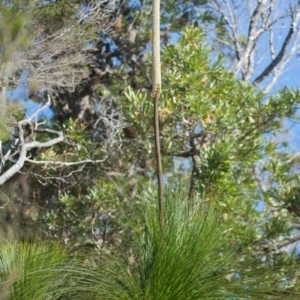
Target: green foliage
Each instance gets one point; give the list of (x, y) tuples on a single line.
[(4, 130), (13, 34), (185, 261), (9, 113), (13, 38), (94, 211), (220, 242), (30, 270), (201, 97), (193, 257), (53, 16), (232, 118), (59, 13), (138, 110)]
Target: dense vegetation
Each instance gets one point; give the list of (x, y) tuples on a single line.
[(78, 165)]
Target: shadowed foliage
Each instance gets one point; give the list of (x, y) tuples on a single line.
[(193, 257)]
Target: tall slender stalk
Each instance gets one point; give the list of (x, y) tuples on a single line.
[(156, 89)]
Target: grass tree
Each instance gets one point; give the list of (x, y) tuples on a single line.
[(192, 243), (193, 256), (31, 270)]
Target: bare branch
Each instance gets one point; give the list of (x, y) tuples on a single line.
[(277, 245), (59, 60), (264, 18), (282, 51), (232, 25), (253, 35), (3, 206), (66, 164), (47, 104), (24, 146)]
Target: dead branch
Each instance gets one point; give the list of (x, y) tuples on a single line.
[(66, 164), (25, 147), (278, 58), (267, 19), (277, 245), (59, 59)]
